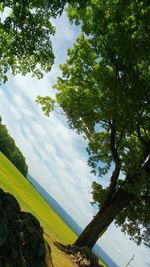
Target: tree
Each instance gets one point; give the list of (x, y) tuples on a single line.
[(105, 93), (25, 36), (11, 151)]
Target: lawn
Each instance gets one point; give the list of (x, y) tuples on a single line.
[(55, 228)]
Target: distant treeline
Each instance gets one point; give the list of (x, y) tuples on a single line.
[(11, 151)]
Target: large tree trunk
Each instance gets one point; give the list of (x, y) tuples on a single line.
[(103, 219)]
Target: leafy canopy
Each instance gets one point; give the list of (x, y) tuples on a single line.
[(25, 35), (105, 93)]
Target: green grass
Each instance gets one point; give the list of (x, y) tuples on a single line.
[(12, 181)]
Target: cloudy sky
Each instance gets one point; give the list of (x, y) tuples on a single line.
[(56, 155)]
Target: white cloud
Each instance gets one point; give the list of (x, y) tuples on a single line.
[(5, 13)]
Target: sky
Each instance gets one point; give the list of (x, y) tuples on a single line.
[(56, 156)]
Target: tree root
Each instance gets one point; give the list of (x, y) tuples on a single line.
[(83, 256)]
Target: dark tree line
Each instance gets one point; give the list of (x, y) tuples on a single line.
[(11, 151)]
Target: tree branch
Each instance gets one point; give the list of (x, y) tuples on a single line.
[(146, 165), (116, 172), (113, 148), (112, 186), (141, 138)]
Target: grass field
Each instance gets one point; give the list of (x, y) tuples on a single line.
[(12, 181)]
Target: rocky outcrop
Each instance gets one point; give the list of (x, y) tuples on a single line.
[(21, 236)]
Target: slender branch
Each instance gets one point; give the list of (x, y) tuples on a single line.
[(140, 122), (59, 110), (146, 165), (145, 141), (87, 132), (145, 132), (116, 172), (121, 135), (112, 143), (112, 186), (141, 138)]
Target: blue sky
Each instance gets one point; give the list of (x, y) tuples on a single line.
[(55, 154)]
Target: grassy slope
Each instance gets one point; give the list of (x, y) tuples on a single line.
[(11, 180)]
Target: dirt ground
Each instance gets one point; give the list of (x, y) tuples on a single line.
[(57, 258)]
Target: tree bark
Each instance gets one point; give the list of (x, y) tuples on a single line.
[(103, 219)]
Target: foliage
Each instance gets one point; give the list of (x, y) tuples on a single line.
[(134, 220), (25, 36), (99, 194), (105, 93), (11, 151)]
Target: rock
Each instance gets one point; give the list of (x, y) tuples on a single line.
[(21, 236)]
